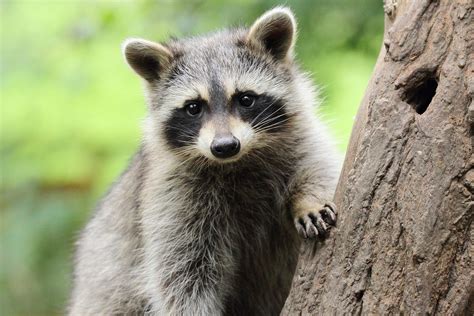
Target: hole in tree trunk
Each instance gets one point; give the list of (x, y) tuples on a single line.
[(359, 295), (419, 95)]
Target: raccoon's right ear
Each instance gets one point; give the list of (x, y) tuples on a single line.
[(146, 58)]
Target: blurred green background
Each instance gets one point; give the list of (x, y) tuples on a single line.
[(71, 111)]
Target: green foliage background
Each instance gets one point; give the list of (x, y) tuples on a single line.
[(71, 111)]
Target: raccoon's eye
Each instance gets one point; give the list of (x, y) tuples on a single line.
[(193, 108), (247, 100)]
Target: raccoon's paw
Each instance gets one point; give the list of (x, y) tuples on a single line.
[(315, 223)]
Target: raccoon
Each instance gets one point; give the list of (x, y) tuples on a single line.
[(234, 168)]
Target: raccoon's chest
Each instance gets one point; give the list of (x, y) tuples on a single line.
[(250, 202), (246, 194)]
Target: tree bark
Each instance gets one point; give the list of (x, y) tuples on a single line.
[(403, 242)]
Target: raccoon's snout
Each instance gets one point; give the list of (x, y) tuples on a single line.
[(225, 146)]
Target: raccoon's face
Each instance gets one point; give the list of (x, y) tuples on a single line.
[(224, 95)]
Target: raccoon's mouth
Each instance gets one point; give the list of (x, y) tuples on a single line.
[(228, 160)]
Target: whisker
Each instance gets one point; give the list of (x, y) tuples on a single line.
[(267, 117), (253, 121), (270, 119), (264, 127)]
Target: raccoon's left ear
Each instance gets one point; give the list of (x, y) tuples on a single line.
[(148, 59), (275, 31)]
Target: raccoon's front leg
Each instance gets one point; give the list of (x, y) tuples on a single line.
[(313, 216), (312, 188), (190, 269)]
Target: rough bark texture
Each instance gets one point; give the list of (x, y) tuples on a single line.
[(405, 197)]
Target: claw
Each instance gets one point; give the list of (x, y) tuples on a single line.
[(300, 227), (319, 223), (311, 230), (329, 215)]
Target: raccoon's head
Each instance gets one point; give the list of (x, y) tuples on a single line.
[(224, 95)]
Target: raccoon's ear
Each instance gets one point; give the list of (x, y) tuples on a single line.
[(146, 58), (275, 31)]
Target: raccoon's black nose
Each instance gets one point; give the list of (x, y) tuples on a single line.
[(225, 146)]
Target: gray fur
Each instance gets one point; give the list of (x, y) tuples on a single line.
[(181, 234)]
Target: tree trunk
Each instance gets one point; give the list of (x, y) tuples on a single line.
[(403, 242)]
